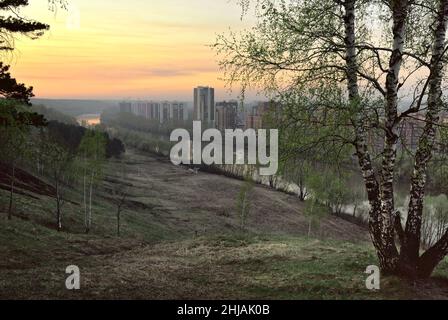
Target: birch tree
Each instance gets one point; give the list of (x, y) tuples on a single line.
[(353, 71), (243, 205), (59, 167), (92, 153), (14, 146), (119, 191)]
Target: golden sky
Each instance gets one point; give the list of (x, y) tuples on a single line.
[(125, 49)]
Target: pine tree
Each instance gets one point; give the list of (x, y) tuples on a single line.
[(11, 89), (13, 24)]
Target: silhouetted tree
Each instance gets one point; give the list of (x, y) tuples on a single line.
[(11, 89), (11, 25)]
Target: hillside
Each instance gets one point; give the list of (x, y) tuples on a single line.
[(181, 239)]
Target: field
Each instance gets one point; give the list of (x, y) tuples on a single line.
[(181, 239)]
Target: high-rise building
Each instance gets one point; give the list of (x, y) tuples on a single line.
[(204, 105), (166, 111), (178, 111), (226, 115)]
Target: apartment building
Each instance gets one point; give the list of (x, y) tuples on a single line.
[(161, 111), (204, 106)]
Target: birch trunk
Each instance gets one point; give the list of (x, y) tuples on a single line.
[(372, 186), (424, 266), (399, 14)]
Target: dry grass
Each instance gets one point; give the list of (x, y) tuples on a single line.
[(181, 240)]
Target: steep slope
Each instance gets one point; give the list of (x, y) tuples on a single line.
[(181, 239)]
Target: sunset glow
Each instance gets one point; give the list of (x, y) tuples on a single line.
[(125, 49)]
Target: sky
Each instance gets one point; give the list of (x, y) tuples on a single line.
[(126, 49)]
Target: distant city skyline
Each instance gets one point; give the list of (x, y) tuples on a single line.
[(134, 49)]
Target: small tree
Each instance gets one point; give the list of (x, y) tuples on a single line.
[(119, 193), (314, 213), (299, 171), (59, 166), (243, 201)]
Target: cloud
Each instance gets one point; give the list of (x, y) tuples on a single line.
[(107, 72), (179, 72)]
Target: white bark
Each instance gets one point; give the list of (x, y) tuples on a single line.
[(411, 245)]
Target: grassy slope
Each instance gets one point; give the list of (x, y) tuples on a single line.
[(178, 243)]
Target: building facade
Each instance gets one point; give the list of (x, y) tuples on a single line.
[(204, 105), (161, 111)]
